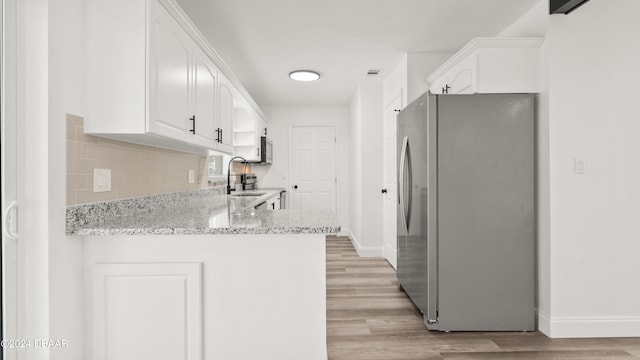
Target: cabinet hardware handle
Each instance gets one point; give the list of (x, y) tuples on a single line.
[(193, 128), (384, 191), (396, 110), (258, 151), (265, 131), (445, 89), (217, 134), (295, 186), (220, 136)]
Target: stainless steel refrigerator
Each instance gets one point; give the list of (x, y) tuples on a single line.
[(466, 210)]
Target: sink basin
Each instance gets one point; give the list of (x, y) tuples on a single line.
[(248, 194)]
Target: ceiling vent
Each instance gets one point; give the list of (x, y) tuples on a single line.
[(373, 72), (564, 6)]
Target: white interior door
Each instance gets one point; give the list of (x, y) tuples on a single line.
[(9, 143), (389, 207), (313, 167)]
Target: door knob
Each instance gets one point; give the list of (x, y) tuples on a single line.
[(384, 191)]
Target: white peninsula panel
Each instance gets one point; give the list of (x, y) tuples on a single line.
[(263, 296)]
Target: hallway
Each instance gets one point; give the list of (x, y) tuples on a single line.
[(368, 318)]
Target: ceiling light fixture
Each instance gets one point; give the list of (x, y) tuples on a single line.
[(304, 75)]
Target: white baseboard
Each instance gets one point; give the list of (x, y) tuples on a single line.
[(589, 327), (366, 251), (543, 324)]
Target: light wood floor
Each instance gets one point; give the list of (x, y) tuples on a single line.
[(368, 318)]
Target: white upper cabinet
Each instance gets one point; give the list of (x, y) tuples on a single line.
[(490, 65), (152, 78), (248, 127), (205, 93), (226, 114), (170, 60)]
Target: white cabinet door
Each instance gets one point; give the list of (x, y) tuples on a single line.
[(225, 115), (170, 62), (462, 77), (128, 300), (491, 65), (204, 96), (438, 86), (262, 130)]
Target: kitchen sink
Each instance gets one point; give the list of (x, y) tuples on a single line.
[(248, 194)]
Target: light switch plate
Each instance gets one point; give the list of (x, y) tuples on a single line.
[(192, 176), (101, 180), (579, 166)]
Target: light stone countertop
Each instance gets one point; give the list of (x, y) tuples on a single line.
[(207, 211)]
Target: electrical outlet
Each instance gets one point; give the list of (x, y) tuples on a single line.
[(101, 180), (192, 176)]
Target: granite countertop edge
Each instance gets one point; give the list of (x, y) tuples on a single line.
[(155, 215), (205, 231)]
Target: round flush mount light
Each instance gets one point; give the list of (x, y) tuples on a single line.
[(304, 75)]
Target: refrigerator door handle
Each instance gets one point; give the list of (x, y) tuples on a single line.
[(409, 184), (401, 189)]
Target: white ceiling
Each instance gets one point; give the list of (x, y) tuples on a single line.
[(263, 40)]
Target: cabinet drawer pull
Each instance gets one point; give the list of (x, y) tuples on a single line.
[(193, 127)]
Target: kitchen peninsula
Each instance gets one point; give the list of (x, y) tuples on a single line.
[(203, 275)]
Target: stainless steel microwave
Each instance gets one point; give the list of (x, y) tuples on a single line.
[(266, 150)]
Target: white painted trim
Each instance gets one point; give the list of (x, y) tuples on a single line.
[(591, 327), (484, 42), (366, 251), (543, 324)]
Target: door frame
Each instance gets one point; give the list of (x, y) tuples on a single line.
[(336, 163), (400, 98), (10, 286)]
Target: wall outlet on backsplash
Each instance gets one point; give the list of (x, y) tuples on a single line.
[(191, 176), (101, 180)]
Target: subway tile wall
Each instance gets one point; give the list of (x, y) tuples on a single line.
[(136, 170)]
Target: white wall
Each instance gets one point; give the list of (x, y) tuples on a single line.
[(281, 119), (533, 23), (419, 67), (367, 167), (396, 81), (588, 234), (593, 109), (66, 95), (355, 170)]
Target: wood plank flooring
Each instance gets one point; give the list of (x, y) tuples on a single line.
[(368, 318)]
